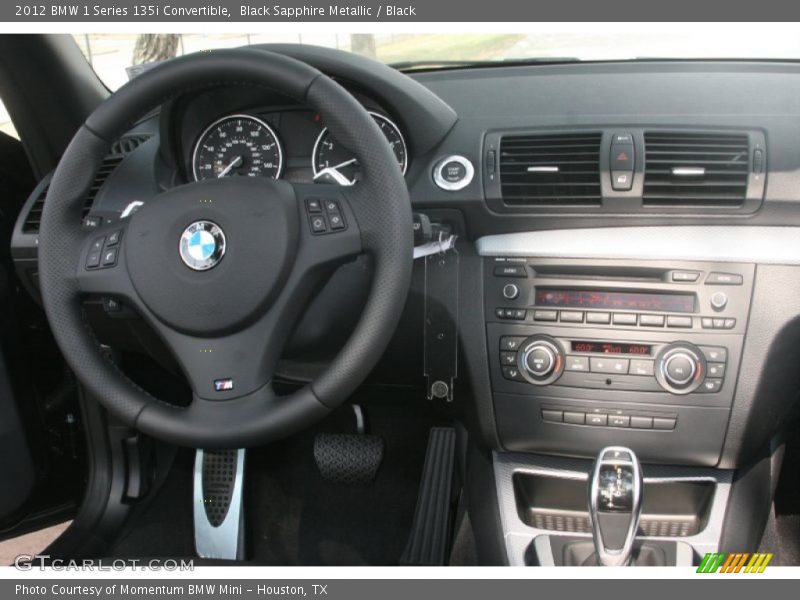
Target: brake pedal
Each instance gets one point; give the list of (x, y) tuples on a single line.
[(428, 543), (218, 509)]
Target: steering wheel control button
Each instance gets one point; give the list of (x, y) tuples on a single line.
[(719, 300), (336, 221), (93, 259), (453, 173), (111, 305), (113, 238), (313, 205), (324, 216), (97, 245), (724, 279), (202, 245), (318, 224), (92, 222), (510, 291), (110, 257)]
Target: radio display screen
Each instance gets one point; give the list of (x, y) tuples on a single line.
[(612, 348), (600, 299)]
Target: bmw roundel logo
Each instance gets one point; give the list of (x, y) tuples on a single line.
[(202, 245)]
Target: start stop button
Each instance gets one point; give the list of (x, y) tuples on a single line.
[(453, 173)]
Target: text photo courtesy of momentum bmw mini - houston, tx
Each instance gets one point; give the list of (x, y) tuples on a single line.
[(301, 298)]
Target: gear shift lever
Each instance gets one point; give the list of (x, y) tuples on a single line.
[(615, 503)]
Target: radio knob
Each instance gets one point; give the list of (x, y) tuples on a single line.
[(719, 300), (541, 360), (510, 291), (680, 368)]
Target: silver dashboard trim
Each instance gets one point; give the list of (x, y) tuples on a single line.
[(766, 245)]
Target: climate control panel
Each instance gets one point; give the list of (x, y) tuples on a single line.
[(678, 368)]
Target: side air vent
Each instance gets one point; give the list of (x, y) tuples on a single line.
[(31, 224), (119, 150), (696, 169), (550, 169)]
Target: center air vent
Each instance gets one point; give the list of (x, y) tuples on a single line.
[(119, 150), (694, 168), (550, 169)]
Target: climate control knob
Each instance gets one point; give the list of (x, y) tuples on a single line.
[(540, 359), (680, 368)]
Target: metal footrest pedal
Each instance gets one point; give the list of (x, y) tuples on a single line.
[(217, 504)]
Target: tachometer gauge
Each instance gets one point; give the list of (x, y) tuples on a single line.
[(332, 159), (237, 145)]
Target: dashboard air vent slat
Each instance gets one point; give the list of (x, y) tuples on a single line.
[(119, 150), (690, 169), (550, 169), (31, 224)]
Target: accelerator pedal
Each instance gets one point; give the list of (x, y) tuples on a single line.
[(429, 540), (218, 512)]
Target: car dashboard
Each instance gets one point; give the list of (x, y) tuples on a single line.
[(628, 274)]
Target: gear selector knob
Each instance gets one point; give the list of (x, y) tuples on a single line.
[(615, 502)]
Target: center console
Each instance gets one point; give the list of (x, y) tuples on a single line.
[(592, 353)]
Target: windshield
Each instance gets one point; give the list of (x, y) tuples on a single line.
[(115, 56)]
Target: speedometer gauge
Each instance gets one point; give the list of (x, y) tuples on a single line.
[(237, 145), (333, 159)]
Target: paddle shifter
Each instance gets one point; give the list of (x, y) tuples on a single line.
[(615, 502)]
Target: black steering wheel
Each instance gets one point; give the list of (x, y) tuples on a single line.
[(223, 268)]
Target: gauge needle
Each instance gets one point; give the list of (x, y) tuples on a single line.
[(236, 162), (334, 173)]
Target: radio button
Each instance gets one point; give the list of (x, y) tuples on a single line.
[(625, 318), (674, 321), (574, 418), (510, 343), (730, 323), (707, 323), (577, 363), (716, 369), (520, 314), (664, 423), (710, 386), (685, 276), (642, 422), (719, 323), (513, 374), (510, 271), (510, 291), (554, 416), (571, 316), (651, 320), (619, 421), (598, 317), (597, 420), (724, 279), (715, 354), (545, 315), (508, 359), (618, 366), (642, 367)]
